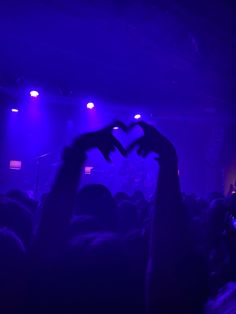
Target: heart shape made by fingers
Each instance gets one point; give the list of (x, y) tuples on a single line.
[(126, 134), (140, 135), (149, 140)]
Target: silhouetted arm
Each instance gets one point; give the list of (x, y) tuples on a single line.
[(172, 284), (170, 242), (58, 207)]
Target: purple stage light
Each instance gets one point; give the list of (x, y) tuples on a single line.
[(115, 128), (34, 93), (90, 105), (14, 110), (137, 116)]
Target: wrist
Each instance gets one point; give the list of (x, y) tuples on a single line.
[(74, 155), (168, 159), (167, 155)]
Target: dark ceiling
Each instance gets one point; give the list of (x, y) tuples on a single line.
[(172, 54)]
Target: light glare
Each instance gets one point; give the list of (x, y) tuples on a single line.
[(137, 116), (90, 105), (14, 110), (34, 93)]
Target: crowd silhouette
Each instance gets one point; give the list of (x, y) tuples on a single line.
[(88, 251)]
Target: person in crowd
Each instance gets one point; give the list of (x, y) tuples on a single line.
[(16, 217), (95, 253)]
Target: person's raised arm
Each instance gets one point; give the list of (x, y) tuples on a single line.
[(172, 267), (58, 207)]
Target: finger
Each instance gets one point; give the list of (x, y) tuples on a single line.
[(147, 128), (145, 153), (112, 149), (119, 146), (118, 124), (107, 157), (142, 124), (132, 125), (139, 151), (134, 144), (106, 153)]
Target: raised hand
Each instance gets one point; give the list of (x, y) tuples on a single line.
[(103, 139), (58, 208), (175, 277), (152, 141)]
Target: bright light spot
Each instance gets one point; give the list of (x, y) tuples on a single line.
[(137, 116), (90, 105), (14, 110), (15, 165), (116, 128), (34, 93)]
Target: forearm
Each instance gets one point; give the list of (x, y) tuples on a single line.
[(169, 244), (169, 220), (58, 208), (168, 192)]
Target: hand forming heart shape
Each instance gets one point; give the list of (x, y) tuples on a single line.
[(106, 142)]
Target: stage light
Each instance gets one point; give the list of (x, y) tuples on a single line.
[(137, 116), (14, 110), (34, 93), (90, 105), (115, 128)]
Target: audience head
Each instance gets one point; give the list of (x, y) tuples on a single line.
[(16, 217), (83, 224), (96, 200), (22, 198), (127, 216), (116, 268), (12, 270), (120, 197), (216, 219)]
